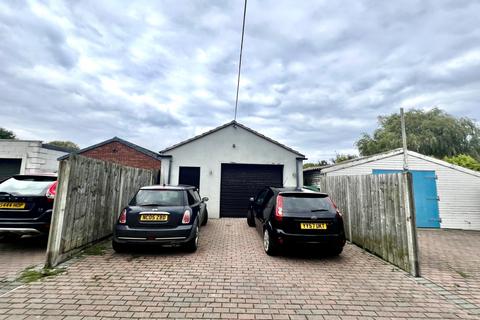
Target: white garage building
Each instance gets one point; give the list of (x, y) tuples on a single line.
[(446, 195), (229, 164), (28, 157)]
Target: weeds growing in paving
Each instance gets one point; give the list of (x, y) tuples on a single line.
[(31, 274)]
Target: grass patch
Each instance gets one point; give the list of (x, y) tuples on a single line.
[(95, 250), (31, 274), (462, 274)]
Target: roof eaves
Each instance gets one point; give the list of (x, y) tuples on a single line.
[(234, 123), (116, 139), (363, 160)]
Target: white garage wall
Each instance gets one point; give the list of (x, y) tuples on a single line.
[(35, 158), (458, 188), (210, 151)]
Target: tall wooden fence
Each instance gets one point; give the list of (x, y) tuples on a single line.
[(379, 215), (90, 195)]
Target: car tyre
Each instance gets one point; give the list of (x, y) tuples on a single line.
[(205, 220), (250, 219), (192, 244), (336, 251), (9, 237), (268, 244), (118, 247)]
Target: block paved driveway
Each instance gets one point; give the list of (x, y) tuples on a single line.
[(451, 259), (16, 255), (227, 278)]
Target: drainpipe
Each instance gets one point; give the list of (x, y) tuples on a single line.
[(299, 172)]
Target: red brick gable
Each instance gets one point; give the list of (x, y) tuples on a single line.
[(119, 153)]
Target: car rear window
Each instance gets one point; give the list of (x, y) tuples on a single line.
[(165, 198), (312, 203), (26, 185)]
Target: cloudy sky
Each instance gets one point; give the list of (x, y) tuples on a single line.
[(315, 75)]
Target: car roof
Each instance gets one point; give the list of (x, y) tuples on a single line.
[(167, 187), (42, 176), (293, 190)]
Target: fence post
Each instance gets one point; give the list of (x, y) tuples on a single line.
[(349, 213), (58, 214), (409, 204)]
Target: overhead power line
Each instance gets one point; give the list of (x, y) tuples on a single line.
[(240, 58)]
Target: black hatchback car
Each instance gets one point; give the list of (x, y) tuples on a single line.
[(296, 217), (166, 215), (26, 203)]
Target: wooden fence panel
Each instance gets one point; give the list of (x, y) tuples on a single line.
[(379, 215), (90, 195)]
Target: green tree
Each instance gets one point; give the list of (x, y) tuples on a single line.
[(340, 157), (69, 145), (320, 163), (464, 161), (434, 133), (7, 134)]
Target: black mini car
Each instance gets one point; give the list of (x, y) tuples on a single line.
[(291, 217), (26, 203), (166, 215)]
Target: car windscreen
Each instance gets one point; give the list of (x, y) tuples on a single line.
[(293, 204), (21, 186), (166, 198)]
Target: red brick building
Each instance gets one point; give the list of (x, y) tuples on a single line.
[(122, 152)]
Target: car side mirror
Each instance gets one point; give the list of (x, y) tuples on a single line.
[(252, 199), (205, 199)]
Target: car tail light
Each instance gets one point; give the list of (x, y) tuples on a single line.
[(52, 191), (122, 219), (279, 209), (338, 214), (186, 217)]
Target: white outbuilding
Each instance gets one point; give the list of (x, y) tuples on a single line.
[(28, 157), (446, 195), (229, 164)]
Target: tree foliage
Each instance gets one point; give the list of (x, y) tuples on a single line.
[(65, 144), (320, 163), (340, 157), (465, 161), (7, 134), (434, 133)]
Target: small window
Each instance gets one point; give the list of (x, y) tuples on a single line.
[(261, 197), (191, 198)]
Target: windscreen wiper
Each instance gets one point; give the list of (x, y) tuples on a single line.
[(7, 193), (149, 204), (317, 210)]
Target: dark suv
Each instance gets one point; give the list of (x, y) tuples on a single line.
[(296, 217), (167, 215), (26, 203)]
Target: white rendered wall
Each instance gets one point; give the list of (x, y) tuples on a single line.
[(210, 151), (35, 159)]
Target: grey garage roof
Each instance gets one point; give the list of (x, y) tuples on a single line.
[(232, 123), (117, 139)]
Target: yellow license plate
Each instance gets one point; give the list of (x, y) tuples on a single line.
[(153, 217), (313, 226), (12, 205)]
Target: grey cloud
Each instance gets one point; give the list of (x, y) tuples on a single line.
[(316, 74)]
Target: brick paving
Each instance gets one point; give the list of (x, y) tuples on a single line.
[(16, 255), (230, 277), (451, 259)]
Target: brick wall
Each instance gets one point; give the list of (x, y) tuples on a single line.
[(122, 154)]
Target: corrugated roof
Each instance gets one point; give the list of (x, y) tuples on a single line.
[(231, 123), (116, 139), (391, 153)]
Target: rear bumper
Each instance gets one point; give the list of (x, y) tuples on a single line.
[(178, 235), (329, 240), (24, 227)]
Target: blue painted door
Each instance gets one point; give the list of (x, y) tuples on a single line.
[(426, 197)]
